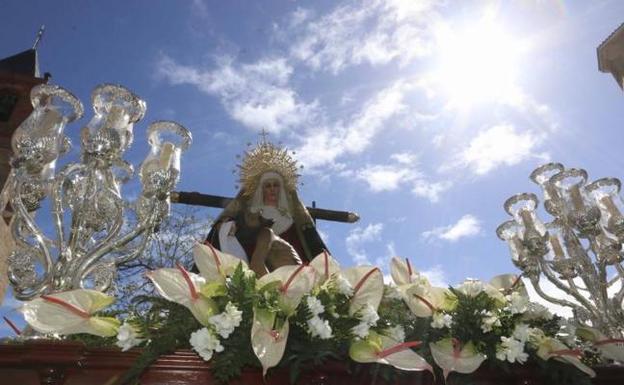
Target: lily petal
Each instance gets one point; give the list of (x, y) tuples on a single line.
[(367, 283), (507, 283), (70, 312), (180, 286), (213, 264), (268, 344), (553, 348), (401, 271), (449, 356), (423, 301), (611, 348)]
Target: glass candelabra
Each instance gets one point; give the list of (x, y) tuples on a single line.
[(580, 251), (95, 228)]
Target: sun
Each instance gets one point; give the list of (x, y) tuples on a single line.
[(477, 62)]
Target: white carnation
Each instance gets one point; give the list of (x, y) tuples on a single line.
[(226, 322), (441, 320), (368, 318), (511, 350), (205, 343), (518, 303), (361, 330), (320, 328), (315, 305), (343, 286), (521, 332), (127, 337), (391, 292), (488, 321), (471, 287)]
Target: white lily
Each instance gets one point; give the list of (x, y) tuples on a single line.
[(215, 265), (368, 288), (424, 301), (384, 350), (71, 312), (268, 340), (293, 283), (180, 286), (403, 274), (452, 357)]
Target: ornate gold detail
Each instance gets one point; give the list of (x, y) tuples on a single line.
[(267, 157)]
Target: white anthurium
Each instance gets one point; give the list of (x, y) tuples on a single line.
[(452, 357), (611, 348), (403, 274), (294, 282), (508, 283), (213, 264), (325, 266), (552, 348), (385, 350), (71, 312), (268, 340), (368, 287), (180, 286), (424, 300)]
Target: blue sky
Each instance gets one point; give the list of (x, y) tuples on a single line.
[(421, 116)]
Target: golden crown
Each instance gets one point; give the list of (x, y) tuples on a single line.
[(263, 158)]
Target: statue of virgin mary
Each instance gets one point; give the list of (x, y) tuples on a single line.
[(266, 224)]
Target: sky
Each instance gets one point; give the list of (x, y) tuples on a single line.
[(421, 116)]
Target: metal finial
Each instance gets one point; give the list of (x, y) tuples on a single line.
[(39, 35), (264, 135)]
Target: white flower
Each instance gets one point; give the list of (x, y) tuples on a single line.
[(368, 318), (521, 332), (226, 322), (518, 303), (343, 286), (511, 350), (441, 320), (391, 292), (205, 343), (369, 315), (315, 305), (471, 287), (567, 331), (397, 333), (319, 328), (537, 311), (127, 337), (489, 320)]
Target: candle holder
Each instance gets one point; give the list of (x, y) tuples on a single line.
[(580, 251), (95, 228)]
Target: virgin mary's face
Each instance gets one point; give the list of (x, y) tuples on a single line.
[(271, 191)]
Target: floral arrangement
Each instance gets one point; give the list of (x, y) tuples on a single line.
[(302, 315)]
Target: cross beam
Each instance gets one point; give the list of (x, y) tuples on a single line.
[(207, 200)]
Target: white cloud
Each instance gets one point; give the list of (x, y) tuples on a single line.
[(436, 276), (466, 226), (385, 177), (256, 95), (322, 146), (357, 237), (498, 145), (374, 32), (430, 190)]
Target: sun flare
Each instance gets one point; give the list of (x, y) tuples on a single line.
[(478, 63)]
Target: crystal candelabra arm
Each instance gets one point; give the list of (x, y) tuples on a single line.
[(535, 282), (571, 290)]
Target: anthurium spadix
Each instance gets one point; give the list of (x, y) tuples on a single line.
[(403, 274), (213, 264), (552, 348), (451, 356), (424, 300), (268, 337), (611, 348), (325, 266), (368, 288), (179, 286), (384, 350), (71, 312), (292, 282)]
